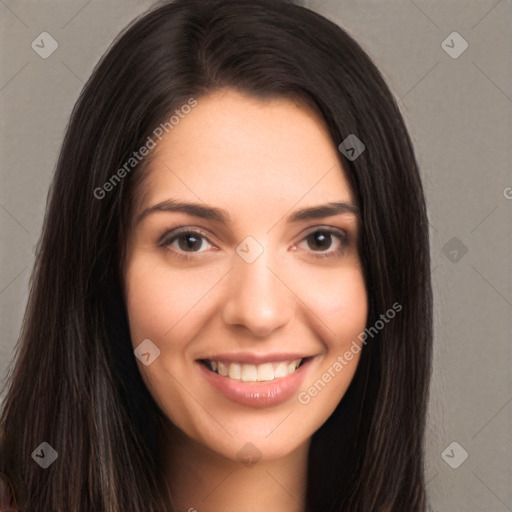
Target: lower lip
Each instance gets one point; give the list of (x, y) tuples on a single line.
[(258, 394)]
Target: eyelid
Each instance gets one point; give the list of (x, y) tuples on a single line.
[(178, 230), (331, 229)]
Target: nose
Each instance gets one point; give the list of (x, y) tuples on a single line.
[(258, 298)]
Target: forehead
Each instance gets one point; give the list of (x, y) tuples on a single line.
[(233, 147)]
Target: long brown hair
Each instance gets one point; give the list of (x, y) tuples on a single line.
[(74, 383)]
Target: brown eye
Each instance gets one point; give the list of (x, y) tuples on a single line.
[(186, 243), (321, 240), (189, 241)]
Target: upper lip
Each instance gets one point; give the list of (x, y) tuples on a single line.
[(248, 358)]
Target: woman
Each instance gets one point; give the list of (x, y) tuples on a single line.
[(231, 306)]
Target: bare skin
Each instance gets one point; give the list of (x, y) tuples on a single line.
[(261, 161)]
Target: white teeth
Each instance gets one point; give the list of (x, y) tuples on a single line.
[(255, 373), (292, 366), (234, 371), (265, 372), (249, 373), (222, 368), (281, 370)]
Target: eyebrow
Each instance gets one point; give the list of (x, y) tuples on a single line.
[(218, 214)]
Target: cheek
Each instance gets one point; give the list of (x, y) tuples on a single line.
[(339, 302), (163, 306), (338, 299), (349, 311), (159, 301), (148, 304)]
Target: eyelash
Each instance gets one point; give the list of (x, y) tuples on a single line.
[(164, 241)]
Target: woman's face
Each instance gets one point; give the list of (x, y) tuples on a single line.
[(256, 282)]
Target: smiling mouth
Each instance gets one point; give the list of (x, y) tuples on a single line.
[(244, 372)]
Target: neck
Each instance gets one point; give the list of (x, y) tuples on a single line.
[(201, 480)]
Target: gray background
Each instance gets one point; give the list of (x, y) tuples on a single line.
[(458, 111)]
